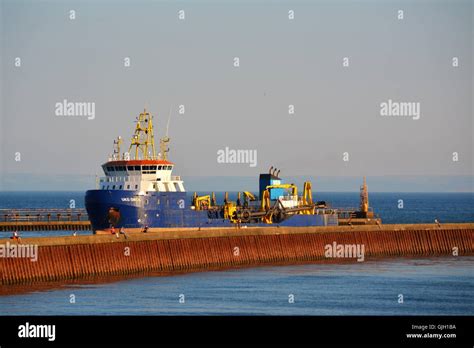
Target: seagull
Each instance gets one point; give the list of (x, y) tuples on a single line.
[(437, 222)]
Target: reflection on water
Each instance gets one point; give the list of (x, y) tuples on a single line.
[(433, 286)]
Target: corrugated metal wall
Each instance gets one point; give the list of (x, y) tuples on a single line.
[(73, 261)]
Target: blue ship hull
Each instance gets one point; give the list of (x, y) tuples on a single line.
[(127, 209)]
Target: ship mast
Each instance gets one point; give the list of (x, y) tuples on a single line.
[(143, 138), (117, 143), (164, 149), (364, 197)]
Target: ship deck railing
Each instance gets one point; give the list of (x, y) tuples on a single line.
[(43, 215)]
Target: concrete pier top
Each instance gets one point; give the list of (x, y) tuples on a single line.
[(186, 233)]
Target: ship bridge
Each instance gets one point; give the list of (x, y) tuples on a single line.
[(147, 171), (141, 175)]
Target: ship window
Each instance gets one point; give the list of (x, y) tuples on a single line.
[(120, 187), (152, 172), (137, 167), (128, 187), (136, 187), (110, 169), (159, 167), (152, 167), (169, 167), (130, 168), (146, 167), (113, 187)]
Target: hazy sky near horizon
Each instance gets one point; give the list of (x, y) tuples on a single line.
[(283, 62)]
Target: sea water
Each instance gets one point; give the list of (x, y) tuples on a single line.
[(394, 286)]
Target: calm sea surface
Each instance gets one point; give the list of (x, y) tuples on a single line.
[(430, 286)]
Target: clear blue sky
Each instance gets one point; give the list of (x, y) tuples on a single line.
[(282, 62)]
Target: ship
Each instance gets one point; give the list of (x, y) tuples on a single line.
[(139, 193)]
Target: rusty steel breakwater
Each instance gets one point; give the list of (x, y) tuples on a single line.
[(61, 258)]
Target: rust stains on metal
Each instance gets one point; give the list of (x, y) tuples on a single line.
[(63, 258)]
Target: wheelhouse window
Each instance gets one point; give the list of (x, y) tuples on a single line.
[(149, 170)]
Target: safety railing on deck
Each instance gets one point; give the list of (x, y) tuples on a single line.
[(43, 215)]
